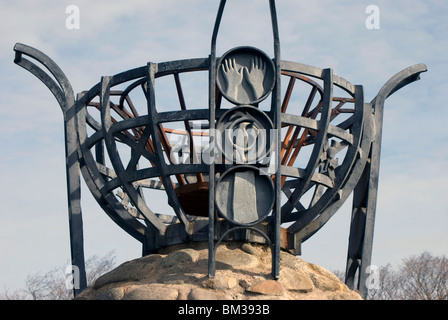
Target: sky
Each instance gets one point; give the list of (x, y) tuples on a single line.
[(113, 36)]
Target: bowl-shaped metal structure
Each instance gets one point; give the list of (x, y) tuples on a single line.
[(124, 152), (320, 143)]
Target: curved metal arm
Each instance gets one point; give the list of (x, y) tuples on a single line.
[(394, 84), (61, 88), (398, 81), (63, 92), (365, 194), (274, 22)]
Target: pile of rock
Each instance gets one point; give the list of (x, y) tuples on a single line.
[(243, 272)]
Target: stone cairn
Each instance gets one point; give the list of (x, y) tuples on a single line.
[(243, 273)]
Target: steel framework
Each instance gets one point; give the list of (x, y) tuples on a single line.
[(276, 197)]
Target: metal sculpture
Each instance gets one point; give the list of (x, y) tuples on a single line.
[(247, 182)]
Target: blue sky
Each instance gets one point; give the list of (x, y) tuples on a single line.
[(412, 211)]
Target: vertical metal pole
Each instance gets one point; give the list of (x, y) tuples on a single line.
[(357, 230), (358, 216), (366, 192), (212, 117), (370, 201), (363, 221), (74, 200), (276, 106)]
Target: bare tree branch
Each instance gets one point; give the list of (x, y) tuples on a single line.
[(52, 284)]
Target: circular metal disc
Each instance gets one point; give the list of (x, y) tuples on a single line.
[(245, 75), (244, 135), (244, 195)]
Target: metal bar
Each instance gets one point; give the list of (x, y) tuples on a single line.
[(289, 146), (318, 147), (298, 144), (193, 155), (212, 119), (397, 82), (169, 188), (184, 133), (123, 176), (93, 176), (167, 148), (364, 206), (63, 92), (292, 143), (74, 198), (276, 106), (288, 94), (285, 104), (356, 143)]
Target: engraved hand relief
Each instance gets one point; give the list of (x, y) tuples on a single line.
[(255, 77), (245, 141), (244, 135), (232, 77), (245, 76)]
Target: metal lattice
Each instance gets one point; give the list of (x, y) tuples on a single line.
[(314, 152)]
